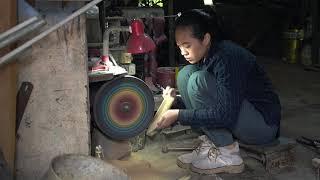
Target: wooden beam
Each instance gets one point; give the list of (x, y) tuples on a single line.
[(8, 79)]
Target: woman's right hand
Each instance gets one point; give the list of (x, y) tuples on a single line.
[(169, 91)]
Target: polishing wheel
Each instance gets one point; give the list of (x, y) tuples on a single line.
[(123, 107)]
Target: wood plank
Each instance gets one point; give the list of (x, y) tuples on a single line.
[(8, 79)]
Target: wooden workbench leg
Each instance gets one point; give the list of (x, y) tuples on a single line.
[(8, 89)]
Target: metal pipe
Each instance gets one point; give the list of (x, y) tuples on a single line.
[(31, 21), (25, 11), (13, 37), (16, 28), (11, 55)]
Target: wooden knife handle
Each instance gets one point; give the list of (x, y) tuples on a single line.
[(164, 106)]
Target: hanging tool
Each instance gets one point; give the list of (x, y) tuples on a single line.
[(313, 144), (22, 101)]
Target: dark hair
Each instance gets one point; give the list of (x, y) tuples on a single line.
[(201, 21)]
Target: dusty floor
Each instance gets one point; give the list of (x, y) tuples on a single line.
[(300, 97)]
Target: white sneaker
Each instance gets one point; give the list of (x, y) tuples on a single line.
[(219, 160), (184, 161)]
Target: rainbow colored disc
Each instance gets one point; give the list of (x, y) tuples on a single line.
[(123, 107)]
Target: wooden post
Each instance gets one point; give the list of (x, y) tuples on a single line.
[(8, 81), (315, 32), (172, 53), (56, 118)]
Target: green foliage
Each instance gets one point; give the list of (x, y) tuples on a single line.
[(150, 3)]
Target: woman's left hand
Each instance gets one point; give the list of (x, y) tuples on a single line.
[(168, 118)]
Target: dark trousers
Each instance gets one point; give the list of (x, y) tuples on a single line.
[(198, 90)]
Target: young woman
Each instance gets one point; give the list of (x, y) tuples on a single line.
[(226, 94)]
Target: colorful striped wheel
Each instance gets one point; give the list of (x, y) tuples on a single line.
[(123, 107)]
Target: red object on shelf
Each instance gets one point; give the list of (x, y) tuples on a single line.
[(99, 67), (102, 65), (139, 42)]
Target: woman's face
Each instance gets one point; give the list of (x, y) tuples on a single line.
[(192, 49)]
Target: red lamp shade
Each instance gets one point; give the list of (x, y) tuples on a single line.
[(139, 42)]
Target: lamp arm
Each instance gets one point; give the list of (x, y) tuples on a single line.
[(113, 60)]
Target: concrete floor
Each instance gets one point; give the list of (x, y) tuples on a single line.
[(299, 92)]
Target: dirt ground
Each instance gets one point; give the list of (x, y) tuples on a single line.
[(299, 92)]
